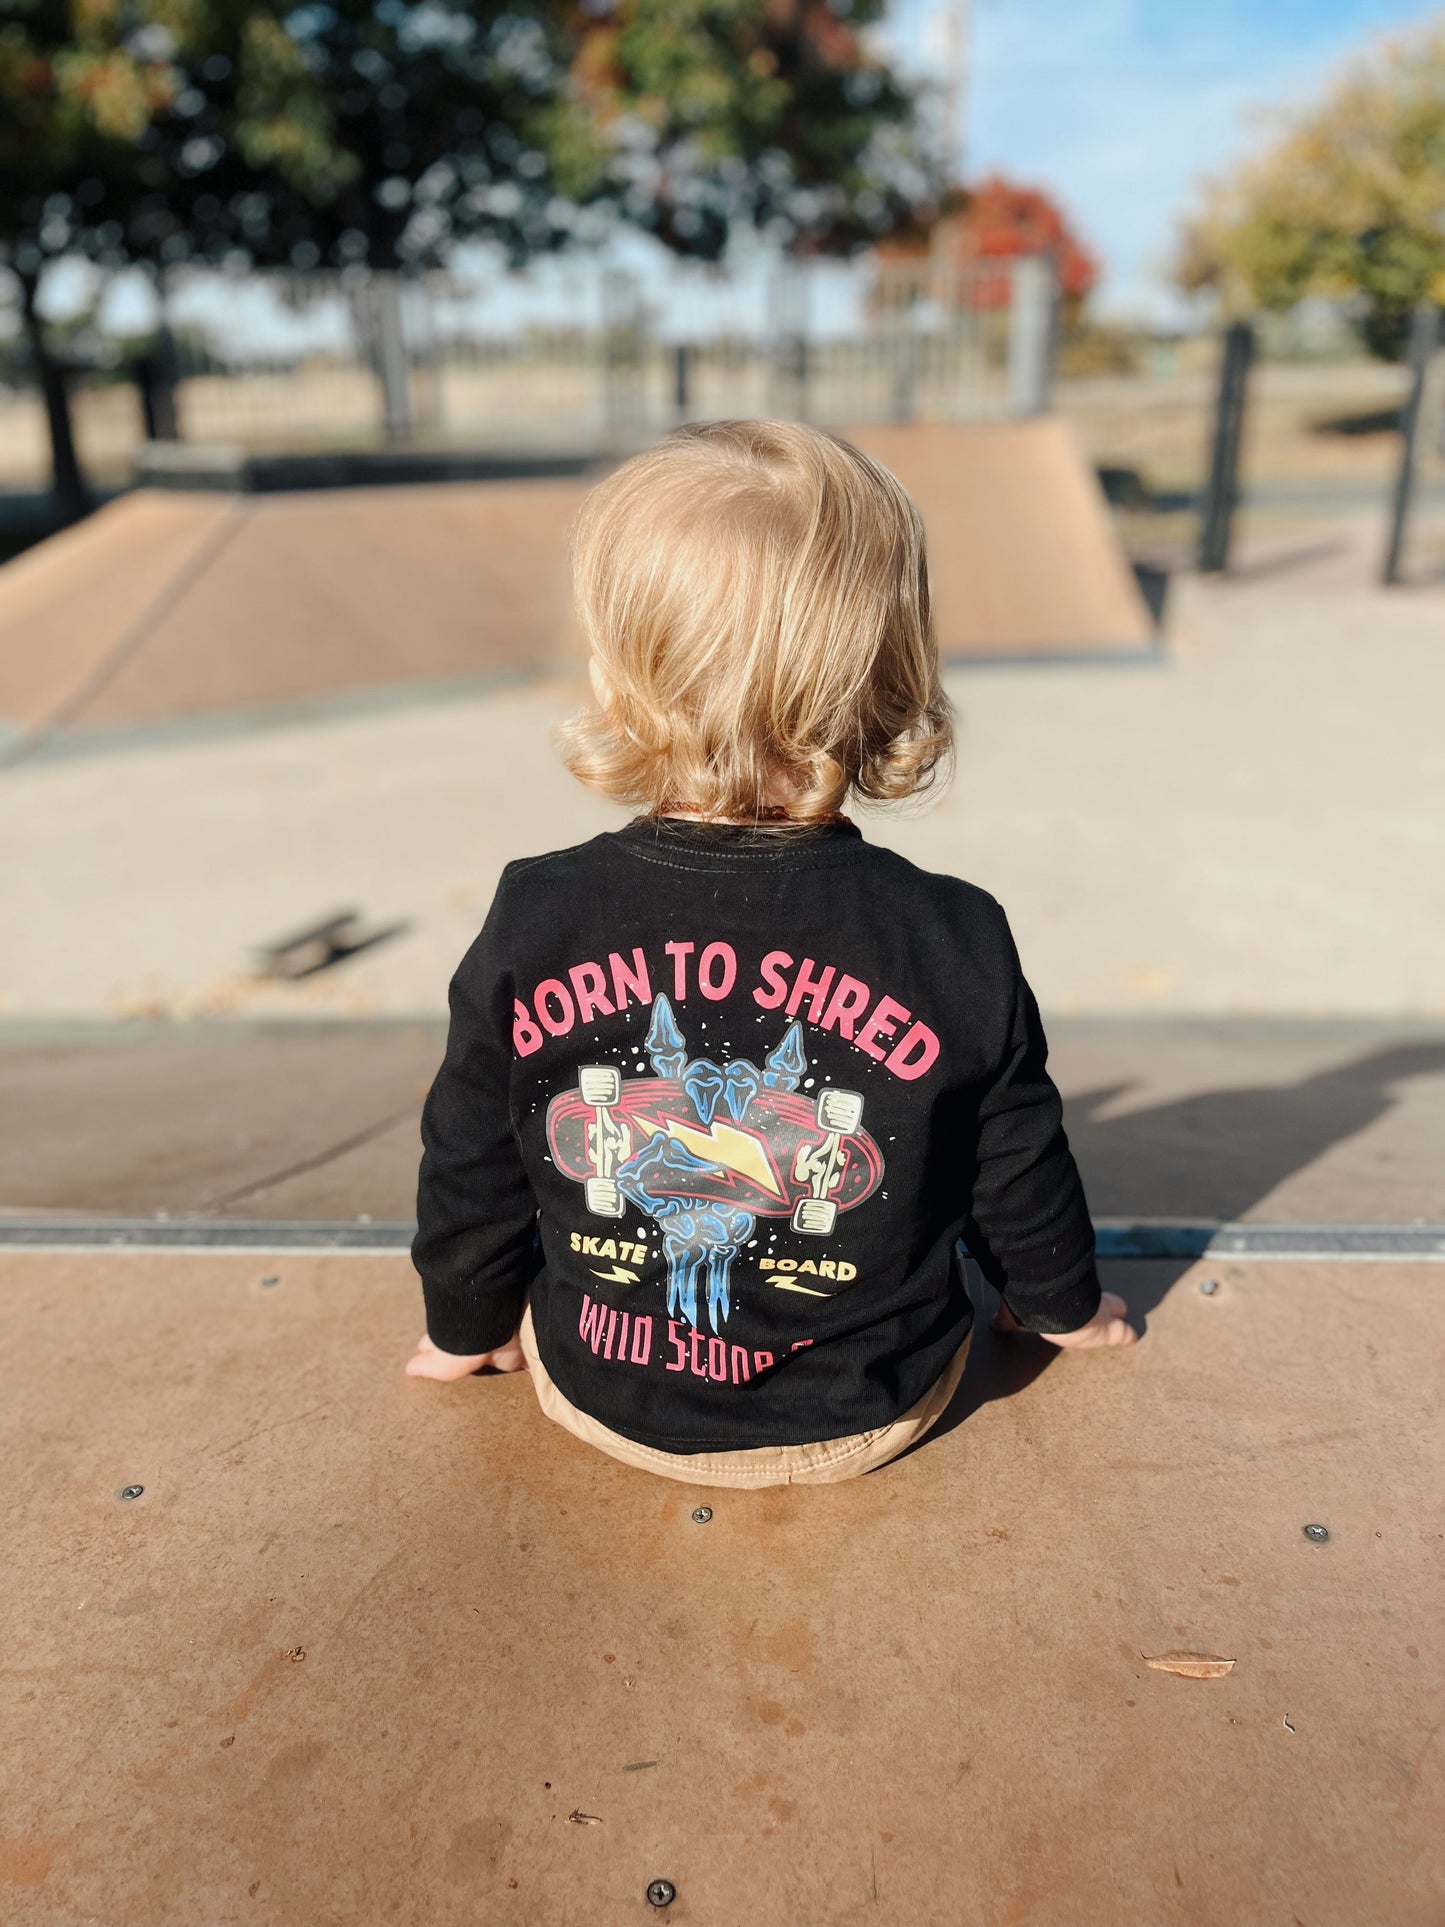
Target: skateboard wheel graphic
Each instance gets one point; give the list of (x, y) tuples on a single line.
[(817, 1215), (604, 1200), (840, 1111), (599, 1084)]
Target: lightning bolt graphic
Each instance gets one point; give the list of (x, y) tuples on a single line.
[(722, 1145), (617, 1276)]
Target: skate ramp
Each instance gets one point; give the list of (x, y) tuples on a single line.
[(168, 605), (1024, 559), (369, 1649)]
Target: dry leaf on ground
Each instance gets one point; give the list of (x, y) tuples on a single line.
[(1190, 1665)]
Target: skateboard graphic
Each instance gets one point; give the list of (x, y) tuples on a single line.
[(707, 1149)]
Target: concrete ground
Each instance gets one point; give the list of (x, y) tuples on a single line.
[(1277, 1120), (365, 1649), (1226, 870), (1254, 824)]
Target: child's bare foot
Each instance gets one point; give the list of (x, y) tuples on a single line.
[(429, 1361), (1108, 1327)]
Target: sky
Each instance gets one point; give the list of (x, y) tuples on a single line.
[(1120, 107)]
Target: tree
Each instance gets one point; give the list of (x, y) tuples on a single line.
[(455, 119), (701, 116), (135, 131), (51, 138), (1349, 202), (999, 221), (442, 119)]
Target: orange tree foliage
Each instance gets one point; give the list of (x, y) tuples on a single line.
[(997, 222)]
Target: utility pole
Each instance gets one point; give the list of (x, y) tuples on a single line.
[(957, 26)]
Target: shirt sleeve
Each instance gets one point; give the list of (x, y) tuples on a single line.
[(1030, 1230), (476, 1214)]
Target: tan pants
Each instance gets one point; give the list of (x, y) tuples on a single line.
[(826, 1463)]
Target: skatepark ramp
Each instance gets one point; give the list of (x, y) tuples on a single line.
[(1023, 557), (299, 1639), (169, 605)]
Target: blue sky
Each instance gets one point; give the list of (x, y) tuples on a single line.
[(1120, 107)]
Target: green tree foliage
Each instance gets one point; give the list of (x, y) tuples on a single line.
[(1350, 201), (130, 130), (359, 130), (138, 131), (381, 131), (704, 115), (443, 117)]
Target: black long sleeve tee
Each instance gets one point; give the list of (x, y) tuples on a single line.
[(723, 1101)]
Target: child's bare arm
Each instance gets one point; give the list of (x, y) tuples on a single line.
[(428, 1361), (1109, 1326)]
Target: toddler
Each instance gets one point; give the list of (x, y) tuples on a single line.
[(724, 1089)]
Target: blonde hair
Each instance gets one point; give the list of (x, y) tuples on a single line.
[(756, 596)]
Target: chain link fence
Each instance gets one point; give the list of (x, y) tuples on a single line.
[(308, 363)]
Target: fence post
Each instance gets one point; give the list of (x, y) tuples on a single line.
[(682, 379), (1032, 318), (624, 363), (1221, 495), (905, 367), (1424, 340), (789, 318), (389, 356)]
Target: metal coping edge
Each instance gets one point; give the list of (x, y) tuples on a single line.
[(1116, 1237)]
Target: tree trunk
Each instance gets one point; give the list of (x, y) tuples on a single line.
[(158, 374), (67, 484)]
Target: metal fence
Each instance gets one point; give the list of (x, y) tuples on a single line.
[(313, 362)]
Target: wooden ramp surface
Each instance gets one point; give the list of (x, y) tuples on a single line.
[(1023, 556), (370, 1650), (169, 605)]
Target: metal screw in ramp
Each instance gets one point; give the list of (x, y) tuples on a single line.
[(701, 1515), (1318, 1533), (130, 1491), (269, 1280), (1209, 1287), (661, 1893)]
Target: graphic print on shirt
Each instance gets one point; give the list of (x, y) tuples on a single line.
[(707, 1149)]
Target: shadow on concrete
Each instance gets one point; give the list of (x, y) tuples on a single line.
[(1214, 1155), (1217, 1154), (1153, 581), (1369, 421), (1297, 555), (185, 466)]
